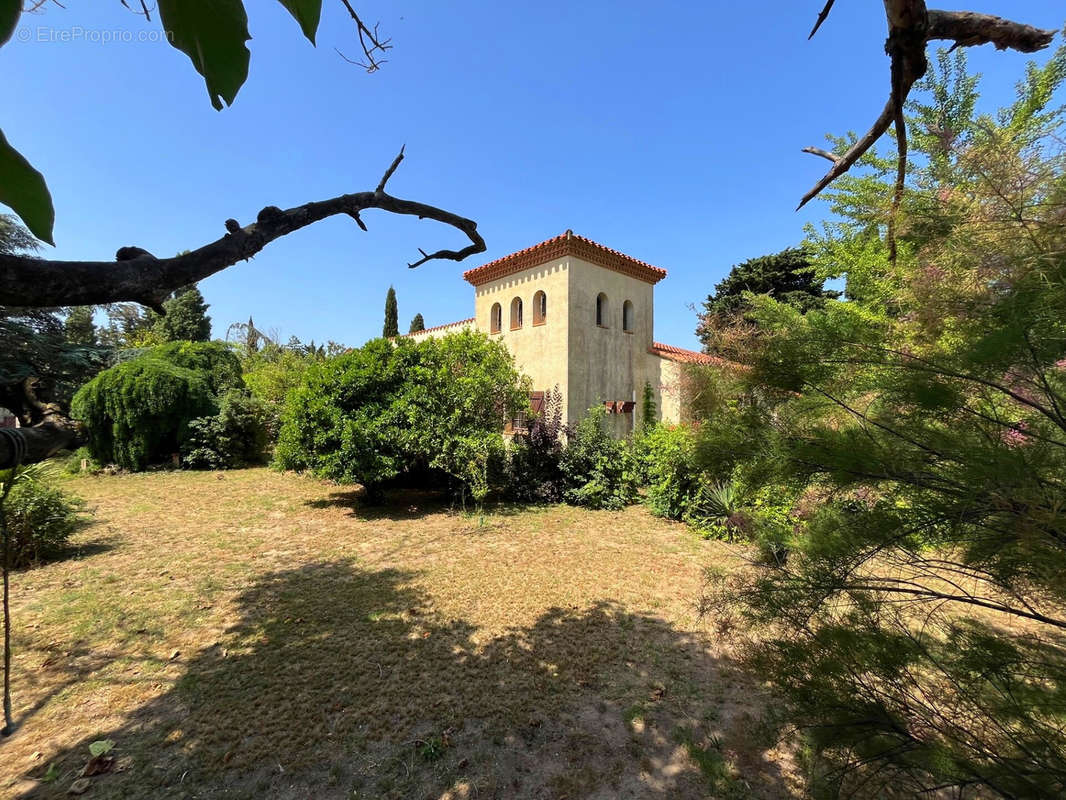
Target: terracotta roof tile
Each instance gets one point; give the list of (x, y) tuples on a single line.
[(438, 327), (565, 244), (671, 353)]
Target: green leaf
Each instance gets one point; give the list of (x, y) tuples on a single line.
[(307, 13), (24, 190), (9, 17), (212, 34), (101, 747)]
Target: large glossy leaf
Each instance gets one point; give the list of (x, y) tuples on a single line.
[(9, 17), (212, 33), (24, 190), (307, 13)]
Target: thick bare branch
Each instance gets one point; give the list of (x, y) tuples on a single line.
[(138, 276), (910, 28), (967, 29)]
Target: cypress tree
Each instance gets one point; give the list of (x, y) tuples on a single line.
[(417, 324), (392, 325)]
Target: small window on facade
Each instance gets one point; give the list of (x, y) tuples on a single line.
[(516, 313), (540, 308), (496, 318), (627, 316), (601, 310)]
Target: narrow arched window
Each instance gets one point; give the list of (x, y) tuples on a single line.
[(516, 313), (496, 318), (627, 316), (540, 308), (601, 310)]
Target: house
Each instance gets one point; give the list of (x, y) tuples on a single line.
[(579, 317)]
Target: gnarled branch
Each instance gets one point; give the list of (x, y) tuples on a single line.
[(911, 26), (138, 276)]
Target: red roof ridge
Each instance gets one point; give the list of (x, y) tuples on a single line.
[(438, 327), (565, 244), (680, 354)]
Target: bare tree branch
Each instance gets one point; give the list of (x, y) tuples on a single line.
[(817, 151), (967, 29), (373, 46), (821, 18), (138, 276), (911, 26)]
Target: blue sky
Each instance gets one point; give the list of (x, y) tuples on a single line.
[(670, 131)]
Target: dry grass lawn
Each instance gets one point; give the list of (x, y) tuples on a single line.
[(256, 635)]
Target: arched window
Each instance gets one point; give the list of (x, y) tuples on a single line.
[(540, 308), (496, 318), (601, 310), (627, 316), (516, 313)]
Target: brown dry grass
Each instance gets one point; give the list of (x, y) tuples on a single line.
[(251, 634)]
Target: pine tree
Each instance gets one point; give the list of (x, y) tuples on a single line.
[(417, 324), (186, 318), (392, 324), (78, 326)]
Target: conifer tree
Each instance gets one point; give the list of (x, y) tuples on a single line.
[(417, 324), (392, 324)]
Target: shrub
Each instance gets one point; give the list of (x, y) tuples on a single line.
[(234, 437), (138, 412), (599, 471), (215, 361), (388, 408), (40, 517), (667, 456), (534, 471), (270, 374), (72, 462)]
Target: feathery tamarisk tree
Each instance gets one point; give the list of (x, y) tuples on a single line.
[(911, 26)]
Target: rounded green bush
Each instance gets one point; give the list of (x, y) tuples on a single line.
[(138, 412)]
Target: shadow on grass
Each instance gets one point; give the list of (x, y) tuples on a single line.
[(407, 504), (341, 682), (397, 504)]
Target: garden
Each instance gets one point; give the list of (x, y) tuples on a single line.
[(291, 570)]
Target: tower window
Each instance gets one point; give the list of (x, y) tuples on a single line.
[(601, 310), (516, 313), (540, 308), (495, 318), (627, 316)]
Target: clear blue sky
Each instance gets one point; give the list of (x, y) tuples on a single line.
[(670, 131)]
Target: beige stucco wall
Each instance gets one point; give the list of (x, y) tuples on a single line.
[(670, 388), (540, 351), (608, 363), (588, 363)]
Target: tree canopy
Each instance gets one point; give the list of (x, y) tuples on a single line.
[(788, 276), (390, 407), (185, 317), (914, 441)]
